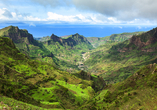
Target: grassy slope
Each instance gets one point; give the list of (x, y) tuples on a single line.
[(115, 66), (39, 83), (96, 42), (136, 92)]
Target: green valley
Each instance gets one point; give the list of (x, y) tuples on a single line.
[(41, 84), (117, 72)]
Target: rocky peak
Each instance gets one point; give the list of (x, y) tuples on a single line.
[(77, 35), (79, 38), (145, 38), (17, 35), (55, 38)]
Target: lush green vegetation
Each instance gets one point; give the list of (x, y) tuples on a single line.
[(69, 49), (38, 83), (135, 93), (38, 50), (32, 76), (115, 61)]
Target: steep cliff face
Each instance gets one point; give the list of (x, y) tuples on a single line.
[(145, 39), (25, 42), (145, 42), (17, 35)]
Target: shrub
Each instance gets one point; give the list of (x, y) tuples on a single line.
[(107, 97), (134, 93)]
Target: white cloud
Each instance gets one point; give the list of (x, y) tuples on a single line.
[(32, 24), (120, 27), (71, 18), (80, 11), (31, 18), (6, 15), (139, 27), (141, 22), (57, 17), (79, 18), (113, 20), (13, 14)]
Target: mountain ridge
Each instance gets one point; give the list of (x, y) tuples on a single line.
[(97, 41), (17, 34), (71, 40)]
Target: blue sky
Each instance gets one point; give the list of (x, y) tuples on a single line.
[(82, 12)]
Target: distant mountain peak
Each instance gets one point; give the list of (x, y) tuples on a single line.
[(76, 34), (55, 38)]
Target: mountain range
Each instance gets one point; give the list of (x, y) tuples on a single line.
[(119, 71)]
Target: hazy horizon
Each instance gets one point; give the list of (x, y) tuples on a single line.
[(85, 30)]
